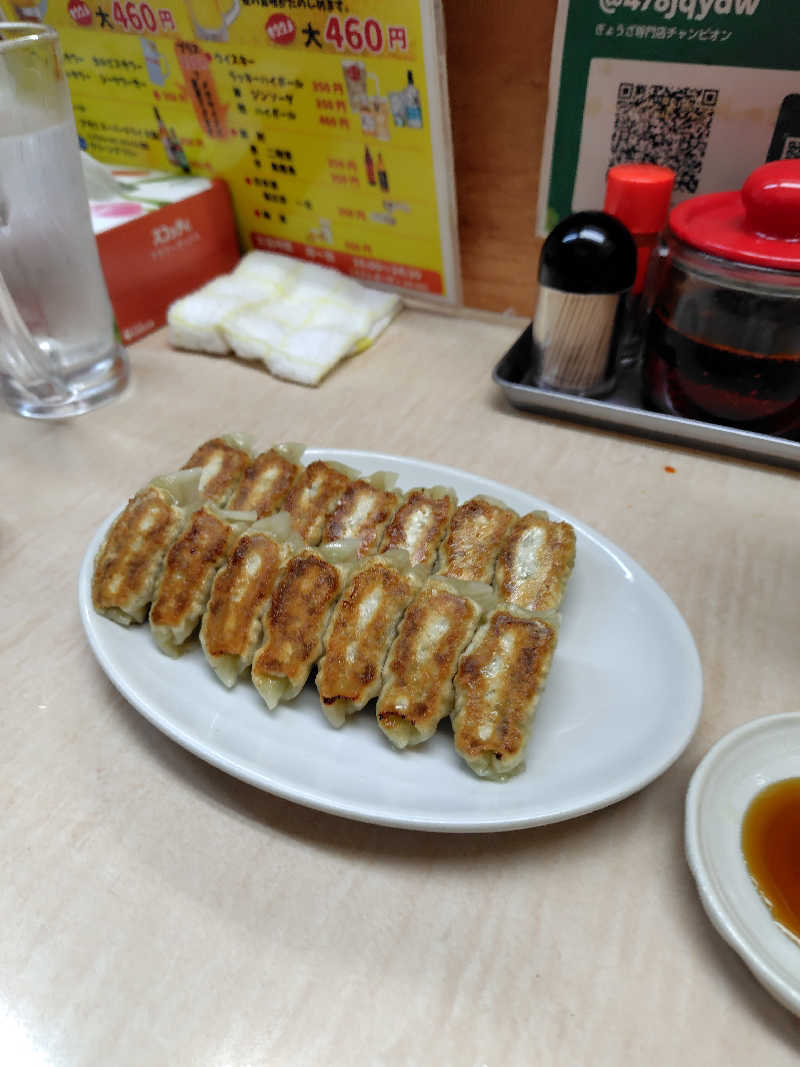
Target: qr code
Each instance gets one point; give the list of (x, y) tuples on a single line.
[(791, 148), (664, 124)]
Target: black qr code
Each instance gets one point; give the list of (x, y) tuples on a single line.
[(664, 124), (791, 148)]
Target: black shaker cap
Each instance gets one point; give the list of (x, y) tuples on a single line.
[(589, 252)]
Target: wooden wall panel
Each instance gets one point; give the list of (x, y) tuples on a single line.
[(498, 56)]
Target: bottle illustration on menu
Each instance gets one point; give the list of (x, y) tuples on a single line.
[(171, 144), (383, 177), (179, 156), (413, 104), (369, 165), (163, 136)]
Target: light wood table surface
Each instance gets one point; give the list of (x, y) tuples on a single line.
[(158, 912)]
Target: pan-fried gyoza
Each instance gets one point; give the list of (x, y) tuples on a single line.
[(404, 598)]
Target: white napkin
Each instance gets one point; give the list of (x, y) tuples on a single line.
[(195, 321), (297, 318)]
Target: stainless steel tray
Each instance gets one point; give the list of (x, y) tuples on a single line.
[(622, 410)]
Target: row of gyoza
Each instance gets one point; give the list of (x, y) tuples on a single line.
[(432, 607)]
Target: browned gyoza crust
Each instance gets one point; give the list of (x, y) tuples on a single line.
[(295, 621), (188, 572), (363, 512), (535, 563), (239, 595), (266, 484), (497, 685), (316, 492), (356, 648), (223, 467), (417, 690), (476, 535), (419, 525), (129, 562)]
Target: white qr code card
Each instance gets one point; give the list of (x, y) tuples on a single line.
[(711, 124)]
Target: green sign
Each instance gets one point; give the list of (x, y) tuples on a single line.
[(709, 88)]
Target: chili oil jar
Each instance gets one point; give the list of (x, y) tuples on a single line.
[(723, 338)]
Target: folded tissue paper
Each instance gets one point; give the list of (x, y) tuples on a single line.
[(297, 318)]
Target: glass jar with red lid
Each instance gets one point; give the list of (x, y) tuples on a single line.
[(723, 339)]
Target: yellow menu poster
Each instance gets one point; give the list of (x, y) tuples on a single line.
[(327, 119)]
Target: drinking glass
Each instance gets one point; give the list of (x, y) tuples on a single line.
[(59, 351), (213, 18)]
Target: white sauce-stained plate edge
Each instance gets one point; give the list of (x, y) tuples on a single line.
[(622, 701)]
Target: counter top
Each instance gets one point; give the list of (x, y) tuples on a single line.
[(158, 911)]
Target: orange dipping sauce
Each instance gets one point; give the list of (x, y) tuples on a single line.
[(771, 847)]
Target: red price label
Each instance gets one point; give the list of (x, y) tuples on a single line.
[(80, 12), (353, 35), (280, 29), (137, 18)]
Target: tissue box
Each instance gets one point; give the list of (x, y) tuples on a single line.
[(159, 238)]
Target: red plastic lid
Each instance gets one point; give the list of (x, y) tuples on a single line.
[(759, 225), (638, 195)]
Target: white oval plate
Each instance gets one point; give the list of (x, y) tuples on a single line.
[(622, 701), (738, 767)]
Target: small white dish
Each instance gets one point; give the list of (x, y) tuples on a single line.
[(622, 700), (737, 768)]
